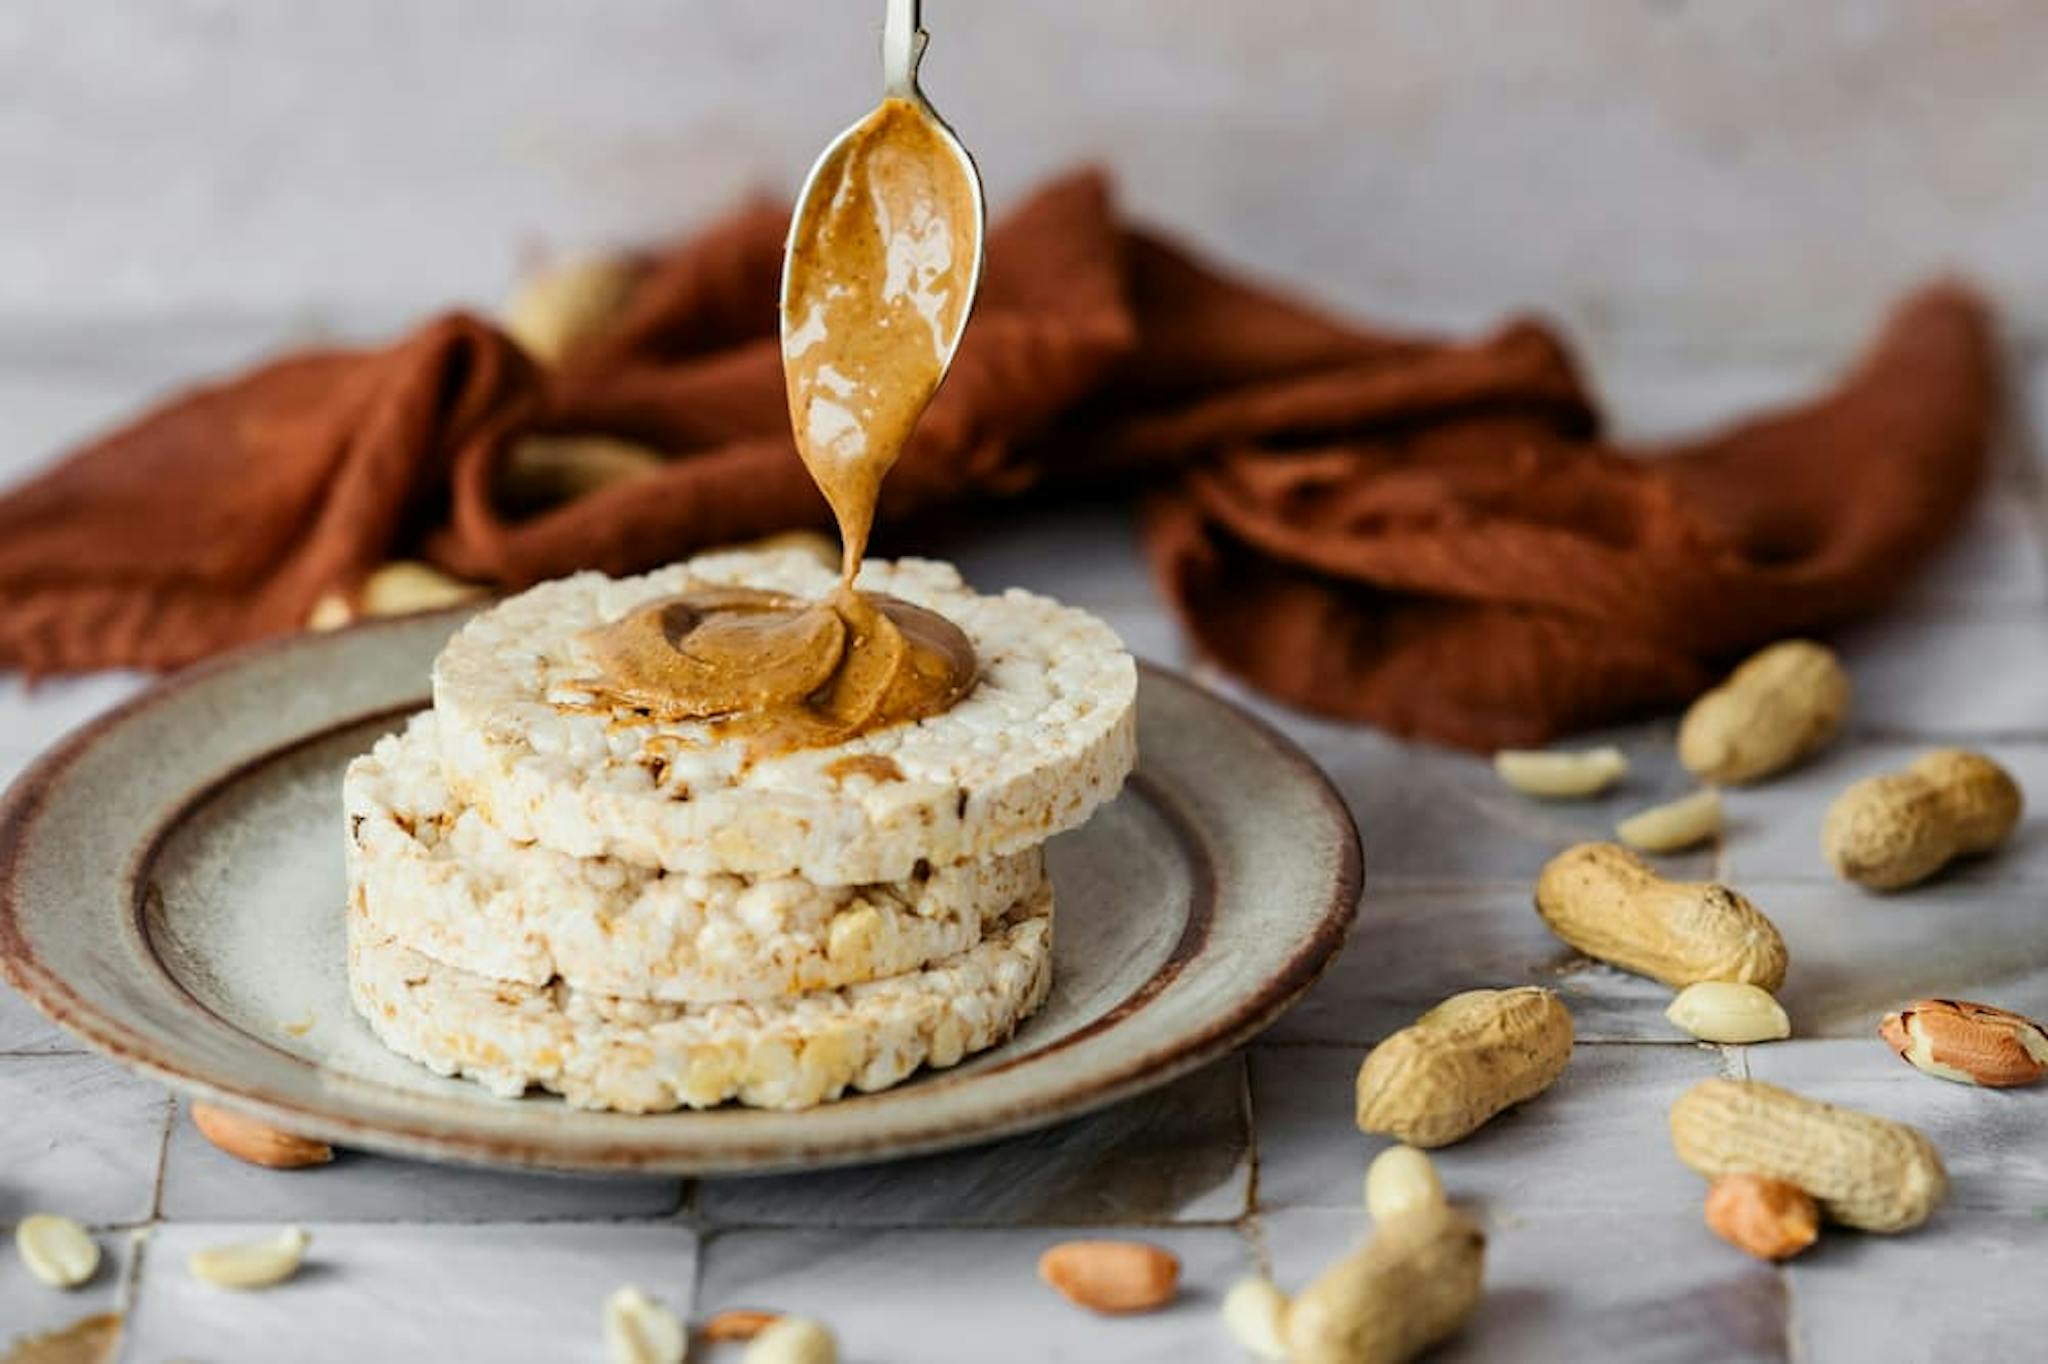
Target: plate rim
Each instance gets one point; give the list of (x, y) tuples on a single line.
[(46, 988)]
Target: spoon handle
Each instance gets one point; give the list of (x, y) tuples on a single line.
[(903, 41)]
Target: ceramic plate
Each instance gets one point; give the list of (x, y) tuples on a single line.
[(171, 890)]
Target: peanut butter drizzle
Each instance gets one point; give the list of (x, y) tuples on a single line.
[(879, 270), (878, 276)]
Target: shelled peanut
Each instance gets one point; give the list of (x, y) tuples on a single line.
[(1610, 904), (1769, 1218), (1895, 830), (1781, 706), (560, 306), (1972, 1044), (1863, 1171), (1674, 826), (1729, 1012), (1112, 1277), (1440, 1079), (399, 588), (1560, 775), (1412, 1285), (256, 1142)]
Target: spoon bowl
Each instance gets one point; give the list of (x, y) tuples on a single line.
[(903, 44)]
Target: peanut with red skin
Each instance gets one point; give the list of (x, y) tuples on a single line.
[(1769, 1218)]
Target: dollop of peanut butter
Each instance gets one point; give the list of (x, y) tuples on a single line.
[(780, 671), (881, 264)]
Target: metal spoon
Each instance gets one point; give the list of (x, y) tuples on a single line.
[(903, 44), (871, 315)]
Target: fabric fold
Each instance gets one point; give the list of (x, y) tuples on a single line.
[(1427, 535)]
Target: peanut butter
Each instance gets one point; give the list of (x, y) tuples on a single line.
[(881, 265), (879, 272)]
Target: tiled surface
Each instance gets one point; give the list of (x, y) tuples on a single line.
[(202, 1183), (1565, 1287), (976, 1294), (1179, 1154), (29, 1308), (1596, 1142), (509, 1291), (78, 1136), (1596, 1248)]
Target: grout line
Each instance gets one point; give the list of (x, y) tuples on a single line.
[(163, 1159), (130, 1296), (1327, 1044), (1878, 734), (1163, 1224), (1248, 1108), (1252, 1227), (1795, 1350)]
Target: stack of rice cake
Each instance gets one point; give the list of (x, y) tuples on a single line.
[(635, 915)]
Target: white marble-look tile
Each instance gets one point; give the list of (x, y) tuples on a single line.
[(1181, 1153), (507, 1291), (1995, 559), (1428, 814), (30, 1308), (205, 1184), (1936, 673), (23, 1029), (34, 716), (1565, 1286), (1412, 948), (942, 1297), (1970, 1291), (1856, 956), (1988, 1138), (1596, 1140), (1774, 829), (78, 1136)]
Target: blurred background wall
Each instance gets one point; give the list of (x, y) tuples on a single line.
[(1667, 173)]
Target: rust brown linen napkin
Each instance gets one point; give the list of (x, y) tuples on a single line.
[(1422, 534)]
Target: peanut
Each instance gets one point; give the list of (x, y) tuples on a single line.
[(1441, 1079), (1896, 830), (1411, 1286), (556, 308), (1610, 904), (1724, 1011), (792, 1340), (1113, 1277), (739, 1323), (1864, 1171), (544, 471), (258, 1143), (251, 1264), (639, 1330), (1769, 1218), (398, 588), (1973, 1044), (1673, 826), (91, 1340), (58, 1252), (1560, 775), (1254, 1312), (1399, 1180), (1782, 705)]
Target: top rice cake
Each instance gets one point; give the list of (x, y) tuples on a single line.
[(1047, 734)]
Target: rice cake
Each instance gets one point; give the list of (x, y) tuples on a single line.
[(1046, 735), (637, 1057), (443, 881)]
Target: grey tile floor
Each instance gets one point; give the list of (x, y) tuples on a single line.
[(1597, 1251)]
